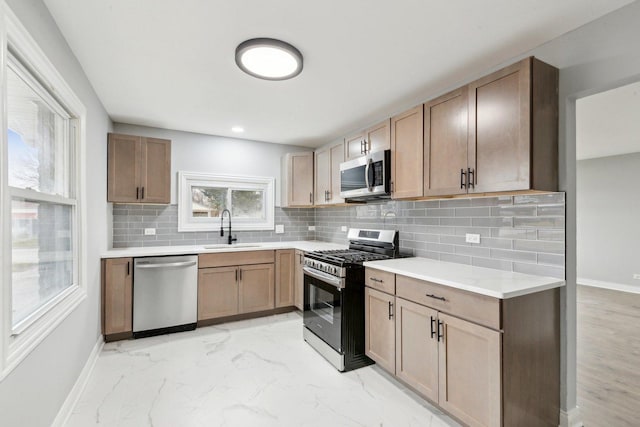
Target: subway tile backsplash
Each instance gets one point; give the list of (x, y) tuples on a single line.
[(518, 233)]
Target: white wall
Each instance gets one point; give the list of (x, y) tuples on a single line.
[(608, 209), (195, 152), (33, 392)]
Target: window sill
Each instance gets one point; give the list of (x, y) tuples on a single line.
[(22, 344)]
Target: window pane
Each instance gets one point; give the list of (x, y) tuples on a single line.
[(38, 148), (41, 254), (208, 201), (247, 203)]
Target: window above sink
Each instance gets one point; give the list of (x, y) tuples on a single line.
[(203, 196)]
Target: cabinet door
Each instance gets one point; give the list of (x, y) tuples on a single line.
[(406, 154), (499, 129), (380, 342), (378, 137), (285, 275), (300, 179), (299, 281), (445, 144), (417, 347), (117, 296), (155, 170), (354, 146), (470, 361), (123, 176), (256, 288), (337, 157), (217, 292), (323, 176)]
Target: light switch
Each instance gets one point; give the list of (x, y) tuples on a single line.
[(312, 228), (279, 228), (149, 231), (343, 228)]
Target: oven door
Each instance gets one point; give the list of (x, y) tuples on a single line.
[(323, 307)]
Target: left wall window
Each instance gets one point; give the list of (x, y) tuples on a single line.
[(43, 215), (42, 210)]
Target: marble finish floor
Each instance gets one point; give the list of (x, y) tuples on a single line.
[(257, 372)]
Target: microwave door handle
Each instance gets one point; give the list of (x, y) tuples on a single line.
[(367, 171)]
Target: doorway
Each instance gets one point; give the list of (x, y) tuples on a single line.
[(608, 261)]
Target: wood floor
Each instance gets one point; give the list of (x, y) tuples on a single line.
[(608, 357)]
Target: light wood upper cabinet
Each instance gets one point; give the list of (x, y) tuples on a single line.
[(217, 292), (470, 366), (285, 277), (513, 129), (380, 343), (327, 175), (297, 179), (299, 280), (406, 154), (117, 296), (375, 138), (139, 169), (445, 144)]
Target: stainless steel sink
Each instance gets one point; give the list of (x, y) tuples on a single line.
[(235, 245)]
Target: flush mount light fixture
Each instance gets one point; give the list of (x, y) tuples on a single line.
[(269, 59), (237, 129)]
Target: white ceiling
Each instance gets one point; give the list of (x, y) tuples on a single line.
[(608, 123), (170, 64)]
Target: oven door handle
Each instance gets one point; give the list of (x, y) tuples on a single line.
[(327, 278)]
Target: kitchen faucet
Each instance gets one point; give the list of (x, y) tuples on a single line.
[(230, 239)]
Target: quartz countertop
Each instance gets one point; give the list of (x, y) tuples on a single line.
[(304, 245), (485, 281)]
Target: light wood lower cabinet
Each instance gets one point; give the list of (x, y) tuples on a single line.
[(416, 348), (217, 292), (299, 281), (285, 277), (117, 293), (469, 371), (380, 344), (500, 367), (233, 283), (256, 288)]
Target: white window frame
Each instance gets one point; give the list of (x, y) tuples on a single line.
[(187, 180), (16, 343)]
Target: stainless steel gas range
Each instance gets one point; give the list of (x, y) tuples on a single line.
[(334, 296)]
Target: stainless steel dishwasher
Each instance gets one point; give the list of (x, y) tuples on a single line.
[(165, 294)]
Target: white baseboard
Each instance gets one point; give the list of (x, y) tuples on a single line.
[(571, 418), (608, 285), (70, 402)]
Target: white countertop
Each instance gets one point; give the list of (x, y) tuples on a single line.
[(485, 281), (303, 245)]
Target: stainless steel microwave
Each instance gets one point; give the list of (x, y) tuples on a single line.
[(367, 177)]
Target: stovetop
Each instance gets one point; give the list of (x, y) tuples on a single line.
[(347, 256)]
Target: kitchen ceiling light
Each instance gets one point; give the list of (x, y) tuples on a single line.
[(269, 59), (237, 129)]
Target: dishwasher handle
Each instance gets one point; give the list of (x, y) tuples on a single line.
[(166, 264)]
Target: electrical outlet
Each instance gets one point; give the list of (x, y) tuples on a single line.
[(472, 238), (343, 228), (279, 228), (149, 231), (636, 276), (312, 228)]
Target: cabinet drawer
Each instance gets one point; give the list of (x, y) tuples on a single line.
[(381, 280), (235, 258), (477, 308)]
